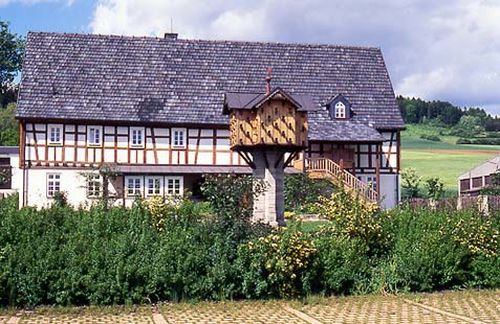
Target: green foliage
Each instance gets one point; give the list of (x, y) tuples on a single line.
[(11, 53), (411, 182), (421, 259), (9, 127), (480, 141), (70, 256), (231, 195), (494, 187), (5, 175), (60, 199), (277, 265), (435, 188), (344, 263), (433, 138), (351, 216), (301, 192), (468, 120)]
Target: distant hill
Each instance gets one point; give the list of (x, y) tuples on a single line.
[(417, 111)]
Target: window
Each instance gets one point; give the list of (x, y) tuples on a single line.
[(179, 137), (134, 186), (153, 186), (373, 182), (94, 184), (174, 185), (53, 184), (137, 136), (94, 135), (55, 134), (340, 110)]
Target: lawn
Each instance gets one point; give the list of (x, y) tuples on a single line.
[(443, 159)]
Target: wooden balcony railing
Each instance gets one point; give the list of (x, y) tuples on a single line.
[(326, 168)]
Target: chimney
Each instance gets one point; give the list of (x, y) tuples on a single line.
[(170, 36), (268, 80)]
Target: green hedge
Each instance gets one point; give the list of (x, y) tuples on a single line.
[(430, 137), (480, 141), (78, 257)]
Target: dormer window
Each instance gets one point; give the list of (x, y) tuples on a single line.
[(339, 107), (340, 110)]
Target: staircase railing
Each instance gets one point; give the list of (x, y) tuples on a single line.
[(336, 172)]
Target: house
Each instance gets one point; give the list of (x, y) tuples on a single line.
[(152, 110), (481, 176), (10, 174)]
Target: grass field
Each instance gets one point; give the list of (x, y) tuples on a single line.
[(443, 159)]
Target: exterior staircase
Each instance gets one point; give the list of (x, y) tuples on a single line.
[(323, 168)]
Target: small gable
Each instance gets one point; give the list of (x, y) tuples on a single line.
[(339, 108)]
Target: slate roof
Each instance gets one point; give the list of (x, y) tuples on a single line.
[(148, 79), (9, 150), (249, 100)]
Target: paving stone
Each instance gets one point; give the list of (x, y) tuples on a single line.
[(448, 307), (372, 310), (230, 312), (81, 319), (477, 305)]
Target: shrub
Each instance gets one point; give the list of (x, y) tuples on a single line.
[(277, 265), (301, 192), (433, 250), (344, 265), (480, 141), (410, 182), (435, 188), (351, 216), (429, 137), (68, 256)]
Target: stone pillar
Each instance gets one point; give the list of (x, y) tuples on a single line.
[(269, 207)]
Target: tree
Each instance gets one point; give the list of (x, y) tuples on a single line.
[(435, 188), (9, 127), (11, 53), (411, 182)]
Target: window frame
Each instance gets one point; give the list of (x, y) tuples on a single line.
[(182, 138), (59, 129), (172, 192), (136, 191), (91, 189), (56, 182), (340, 111), (147, 188), (373, 181), (90, 138), (142, 137)]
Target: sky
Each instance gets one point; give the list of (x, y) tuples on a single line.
[(434, 49)]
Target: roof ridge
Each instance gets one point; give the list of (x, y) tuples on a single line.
[(215, 41)]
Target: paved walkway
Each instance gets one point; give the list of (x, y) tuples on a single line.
[(450, 307)]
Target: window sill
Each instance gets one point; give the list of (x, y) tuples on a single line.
[(54, 144), (178, 147)]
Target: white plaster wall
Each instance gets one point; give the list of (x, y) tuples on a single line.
[(389, 189), (72, 183), (17, 175)]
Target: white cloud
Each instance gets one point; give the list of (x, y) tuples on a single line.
[(448, 49)]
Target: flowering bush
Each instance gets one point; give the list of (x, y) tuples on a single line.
[(161, 208), (277, 264), (478, 235), (351, 215)]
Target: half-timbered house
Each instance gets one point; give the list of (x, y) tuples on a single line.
[(152, 110)]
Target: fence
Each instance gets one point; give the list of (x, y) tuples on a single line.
[(483, 203)]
